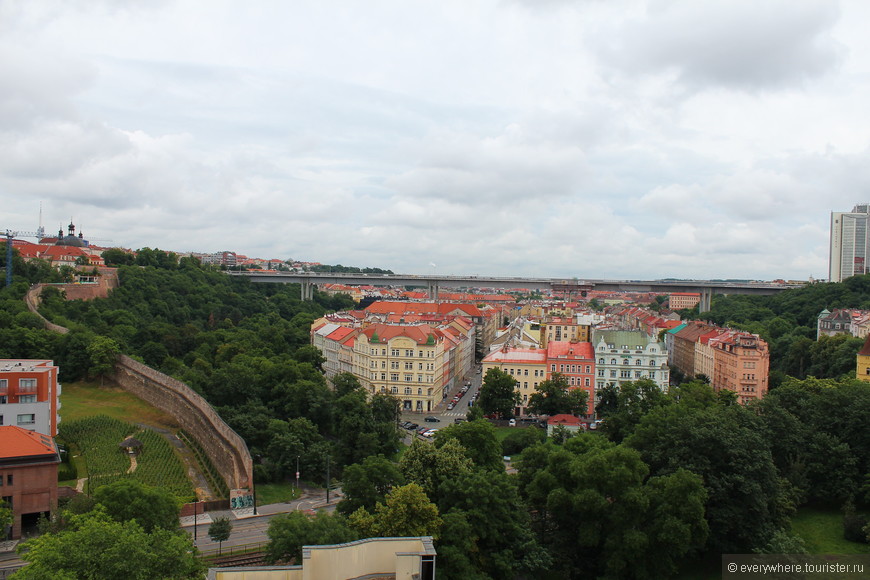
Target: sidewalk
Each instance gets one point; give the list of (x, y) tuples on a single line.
[(306, 501)]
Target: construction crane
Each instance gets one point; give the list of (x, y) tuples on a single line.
[(9, 235)]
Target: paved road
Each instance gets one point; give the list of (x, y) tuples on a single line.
[(447, 417), (251, 529)]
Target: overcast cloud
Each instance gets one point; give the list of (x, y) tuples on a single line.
[(589, 138)]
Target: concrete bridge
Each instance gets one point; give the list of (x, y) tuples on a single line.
[(433, 283)]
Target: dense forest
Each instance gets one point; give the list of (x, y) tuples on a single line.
[(669, 477)]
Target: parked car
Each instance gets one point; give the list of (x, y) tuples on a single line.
[(458, 420), (412, 427), (430, 433), (450, 405), (432, 420)]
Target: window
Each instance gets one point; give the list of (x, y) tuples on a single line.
[(394, 376), (612, 374), (395, 390), (624, 374), (409, 352), (27, 419), (28, 385), (586, 382), (601, 361), (4, 385), (652, 374), (409, 378), (383, 376), (407, 390), (600, 372), (409, 366), (588, 369), (394, 364), (1, 416), (637, 362), (9, 479), (625, 361), (394, 352), (2, 399), (613, 361)]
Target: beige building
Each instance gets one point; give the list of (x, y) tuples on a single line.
[(528, 366), (376, 558)]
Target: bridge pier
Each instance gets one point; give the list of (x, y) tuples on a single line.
[(432, 287), (307, 290), (706, 300)]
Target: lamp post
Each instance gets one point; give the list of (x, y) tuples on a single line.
[(195, 509), (297, 472)]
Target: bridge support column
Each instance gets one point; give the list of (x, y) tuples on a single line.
[(307, 290), (433, 290), (706, 300)]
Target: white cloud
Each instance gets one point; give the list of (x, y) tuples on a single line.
[(621, 139)]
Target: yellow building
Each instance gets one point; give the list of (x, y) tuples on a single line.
[(410, 362), (863, 371), (528, 366), (563, 329)]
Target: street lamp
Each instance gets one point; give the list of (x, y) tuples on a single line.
[(195, 506), (297, 472)]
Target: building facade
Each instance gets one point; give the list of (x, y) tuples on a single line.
[(850, 243), (30, 395), (28, 476), (528, 367), (623, 356), (576, 362)]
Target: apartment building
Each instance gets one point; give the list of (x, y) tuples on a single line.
[(413, 363), (732, 360), (528, 366), (682, 300), (28, 476), (563, 328), (862, 372), (742, 362), (30, 395), (850, 243), (623, 356), (576, 362)]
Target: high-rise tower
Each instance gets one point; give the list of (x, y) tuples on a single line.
[(850, 243)]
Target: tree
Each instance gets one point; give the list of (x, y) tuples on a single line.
[(428, 466), (633, 525), (289, 532), (368, 483), (406, 512), (725, 447), (118, 257), (103, 353), (479, 441), (94, 547), (150, 507), (498, 523), (6, 519), (625, 405), (498, 393), (554, 397), (220, 530)]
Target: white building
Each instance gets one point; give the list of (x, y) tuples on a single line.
[(628, 355), (850, 243)]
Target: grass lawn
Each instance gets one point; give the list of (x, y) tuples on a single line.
[(822, 531), (276, 493), (86, 399)]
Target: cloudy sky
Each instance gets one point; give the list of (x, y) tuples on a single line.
[(589, 138)]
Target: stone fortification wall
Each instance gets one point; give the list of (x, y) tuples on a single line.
[(227, 451)]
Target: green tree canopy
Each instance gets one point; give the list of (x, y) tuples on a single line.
[(554, 397), (150, 507), (366, 484), (479, 441), (633, 525), (96, 547), (219, 531), (498, 394), (289, 532), (406, 512)]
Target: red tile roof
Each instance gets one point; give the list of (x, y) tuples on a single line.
[(16, 442)]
